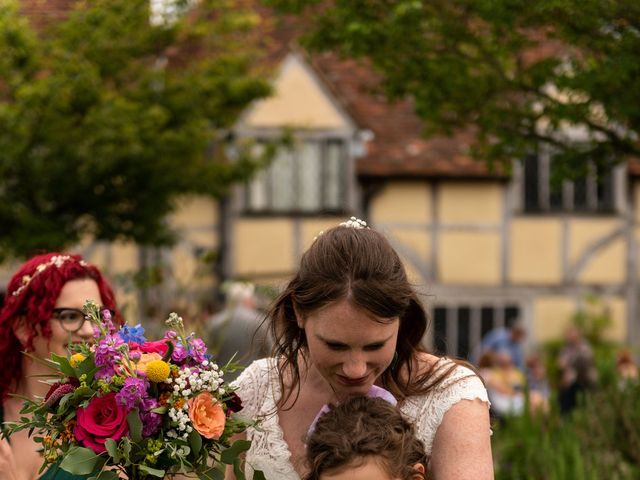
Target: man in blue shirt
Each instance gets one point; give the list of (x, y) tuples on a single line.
[(505, 338)]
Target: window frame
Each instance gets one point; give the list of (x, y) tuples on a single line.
[(597, 203), (476, 331), (342, 203)]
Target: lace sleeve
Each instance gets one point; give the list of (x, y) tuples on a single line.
[(427, 411), (251, 386)]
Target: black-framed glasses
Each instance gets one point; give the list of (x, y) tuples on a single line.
[(71, 319)]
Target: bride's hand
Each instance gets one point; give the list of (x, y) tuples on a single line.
[(8, 469)]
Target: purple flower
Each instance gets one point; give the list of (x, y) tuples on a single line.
[(151, 421), (170, 334), (179, 353), (132, 392), (132, 334), (105, 373), (106, 351), (198, 350)]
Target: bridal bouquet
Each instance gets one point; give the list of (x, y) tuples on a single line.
[(126, 406)]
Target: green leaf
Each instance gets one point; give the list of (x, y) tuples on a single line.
[(237, 469), (125, 445), (230, 454), (106, 475), (258, 475), (210, 474), (195, 440), (152, 471), (135, 425), (81, 461), (112, 449), (65, 366)]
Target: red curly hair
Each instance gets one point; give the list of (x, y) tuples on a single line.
[(35, 301)]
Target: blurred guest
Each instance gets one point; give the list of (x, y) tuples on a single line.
[(577, 369), (538, 384), (505, 384), (626, 368), (236, 331), (505, 338)]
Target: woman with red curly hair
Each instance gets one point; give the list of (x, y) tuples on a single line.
[(41, 314)]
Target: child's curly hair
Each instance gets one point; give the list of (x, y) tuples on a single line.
[(362, 428)]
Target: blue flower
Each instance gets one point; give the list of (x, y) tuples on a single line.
[(132, 334)]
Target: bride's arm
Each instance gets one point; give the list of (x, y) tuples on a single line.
[(462, 445)]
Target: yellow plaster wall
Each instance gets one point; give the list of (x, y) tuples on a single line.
[(297, 101), (402, 202), (608, 264), (312, 227), (534, 251), (263, 246), (636, 200), (418, 242), (551, 315), (195, 212), (618, 311), (470, 203), (469, 258)]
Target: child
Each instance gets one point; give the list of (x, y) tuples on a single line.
[(364, 438)]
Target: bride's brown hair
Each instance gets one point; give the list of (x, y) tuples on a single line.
[(358, 264)]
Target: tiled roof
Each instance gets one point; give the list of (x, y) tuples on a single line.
[(398, 146)]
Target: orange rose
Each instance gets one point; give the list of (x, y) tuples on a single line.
[(207, 415), (145, 358)]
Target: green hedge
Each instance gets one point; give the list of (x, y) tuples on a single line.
[(600, 439)]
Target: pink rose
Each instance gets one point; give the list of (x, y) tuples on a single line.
[(159, 346), (103, 418)]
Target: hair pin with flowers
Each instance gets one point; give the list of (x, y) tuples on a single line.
[(56, 260), (353, 222)]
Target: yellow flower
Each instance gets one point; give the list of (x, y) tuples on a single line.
[(76, 359), (157, 370)]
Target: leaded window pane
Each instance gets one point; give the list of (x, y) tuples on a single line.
[(310, 177)]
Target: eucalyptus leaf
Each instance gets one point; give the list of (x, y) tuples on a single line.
[(239, 446), (210, 474), (106, 475), (135, 425), (152, 471), (81, 461), (195, 441), (112, 449)]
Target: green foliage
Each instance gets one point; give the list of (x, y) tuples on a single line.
[(600, 439), (521, 73), (106, 118)]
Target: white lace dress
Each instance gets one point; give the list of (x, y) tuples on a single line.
[(259, 389)]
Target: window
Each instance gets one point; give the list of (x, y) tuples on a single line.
[(459, 328), (310, 177), (592, 193), (166, 12)]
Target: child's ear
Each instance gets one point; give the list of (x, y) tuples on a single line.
[(420, 472)]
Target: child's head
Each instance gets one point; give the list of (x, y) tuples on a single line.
[(365, 438)]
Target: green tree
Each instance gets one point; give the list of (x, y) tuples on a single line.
[(563, 74), (106, 118)]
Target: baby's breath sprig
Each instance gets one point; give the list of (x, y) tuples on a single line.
[(175, 322), (92, 312)]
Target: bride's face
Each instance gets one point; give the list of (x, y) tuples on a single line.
[(349, 346)]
